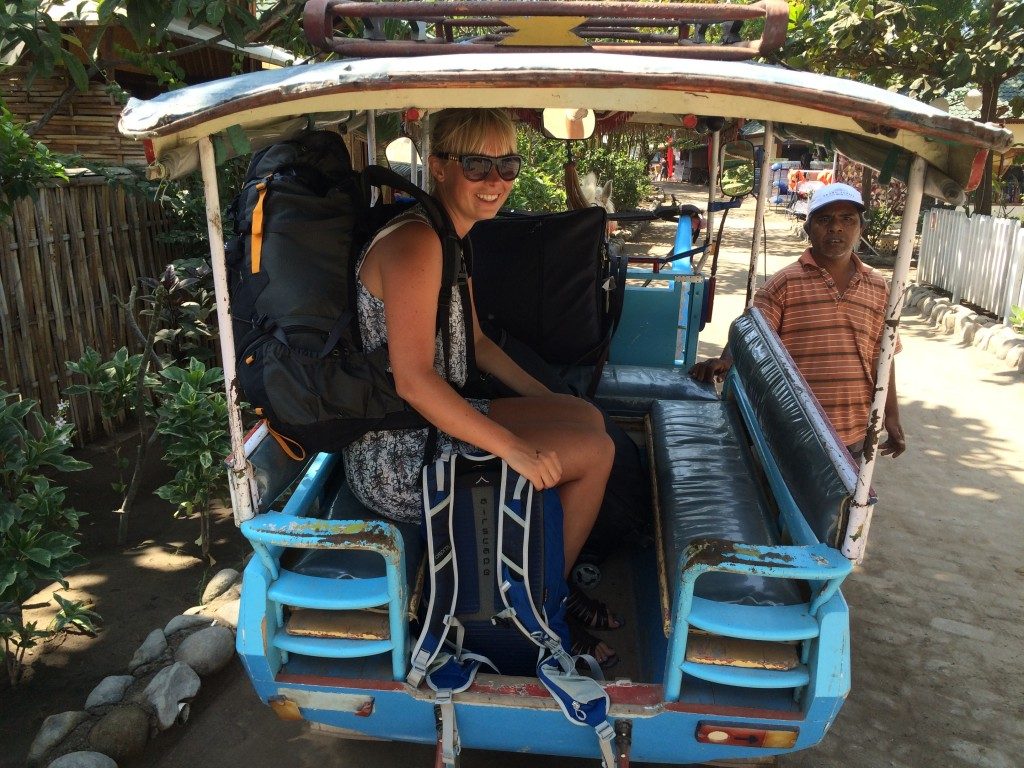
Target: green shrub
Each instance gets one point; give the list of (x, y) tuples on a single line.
[(24, 163), (541, 185), (37, 527)]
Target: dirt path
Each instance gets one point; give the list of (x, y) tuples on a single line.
[(935, 610)]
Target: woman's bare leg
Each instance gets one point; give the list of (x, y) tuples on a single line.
[(574, 430)]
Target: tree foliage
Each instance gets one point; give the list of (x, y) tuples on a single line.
[(919, 49), (24, 163)]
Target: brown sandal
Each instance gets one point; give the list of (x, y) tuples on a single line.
[(585, 644), (589, 612)]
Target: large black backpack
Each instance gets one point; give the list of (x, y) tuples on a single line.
[(300, 221)]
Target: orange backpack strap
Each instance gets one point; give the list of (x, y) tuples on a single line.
[(256, 250), (293, 450)]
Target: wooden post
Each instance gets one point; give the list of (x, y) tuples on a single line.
[(861, 509), (239, 472)]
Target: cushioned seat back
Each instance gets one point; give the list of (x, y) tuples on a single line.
[(706, 489), (813, 462), (542, 279)]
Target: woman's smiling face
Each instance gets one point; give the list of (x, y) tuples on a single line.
[(468, 201)]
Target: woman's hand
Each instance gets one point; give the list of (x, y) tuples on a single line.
[(540, 467)]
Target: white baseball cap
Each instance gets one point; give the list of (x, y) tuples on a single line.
[(835, 193)]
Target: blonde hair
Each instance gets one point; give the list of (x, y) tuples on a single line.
[(463, 131)]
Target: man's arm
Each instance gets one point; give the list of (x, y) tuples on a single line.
[(895, 441), (713, 369)]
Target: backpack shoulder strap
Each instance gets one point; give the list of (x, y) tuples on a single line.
[(442, 566), (582, 699)]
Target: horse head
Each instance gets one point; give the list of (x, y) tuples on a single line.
[(598, 195)]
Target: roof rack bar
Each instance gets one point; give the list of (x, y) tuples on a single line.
[(625, 21)]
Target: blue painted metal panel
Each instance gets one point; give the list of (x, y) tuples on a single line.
[(748, 678), (331, 648), (329, 594), (659, 735), (775, 623), (648, 329)]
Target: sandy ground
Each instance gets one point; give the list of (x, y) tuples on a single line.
[(935, 609)]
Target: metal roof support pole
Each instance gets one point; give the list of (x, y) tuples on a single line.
[(371, 147), (716, 139), (861, 509), (764, 191), (426, 149), (239, 471)]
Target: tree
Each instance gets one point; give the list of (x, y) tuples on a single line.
[(922, 50), (27, 31)]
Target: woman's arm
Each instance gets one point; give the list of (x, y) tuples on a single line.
[(408, 262)]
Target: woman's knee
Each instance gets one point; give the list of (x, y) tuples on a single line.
[(582, 410)]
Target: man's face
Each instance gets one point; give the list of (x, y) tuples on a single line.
[(835, 230)]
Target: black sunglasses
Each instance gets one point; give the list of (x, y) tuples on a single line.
[(478, 167)]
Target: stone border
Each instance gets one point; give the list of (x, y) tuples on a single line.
[(966, 325), (163, 677)]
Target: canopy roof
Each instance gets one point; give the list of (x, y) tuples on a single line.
[(663, 89)]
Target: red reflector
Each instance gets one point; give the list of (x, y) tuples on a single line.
[(147, 147), (745, 736)]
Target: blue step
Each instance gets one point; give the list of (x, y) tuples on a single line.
[(330, 648), (749, 678), (777, 623), (328, 594)]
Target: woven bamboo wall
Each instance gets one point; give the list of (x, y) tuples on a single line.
[(63, 260), (87, 125)]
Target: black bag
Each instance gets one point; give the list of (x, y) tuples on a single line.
[(624, 514), (550, 281), (300, 222)]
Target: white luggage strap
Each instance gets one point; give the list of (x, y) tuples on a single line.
[(582, 699)]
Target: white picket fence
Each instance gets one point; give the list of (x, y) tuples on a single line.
[(979, 260)]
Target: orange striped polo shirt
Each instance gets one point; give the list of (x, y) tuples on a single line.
[(832, 339)]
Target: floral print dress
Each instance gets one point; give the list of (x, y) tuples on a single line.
[(383, 467)]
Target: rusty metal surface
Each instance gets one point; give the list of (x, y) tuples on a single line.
[(348, 625), (703, 648), (607, 19)]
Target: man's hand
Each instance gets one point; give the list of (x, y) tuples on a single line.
[(895, 441), (711, 370)]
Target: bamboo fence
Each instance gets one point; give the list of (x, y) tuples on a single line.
[(65, 259)]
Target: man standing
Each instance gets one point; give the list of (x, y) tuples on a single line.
[(829, 311)]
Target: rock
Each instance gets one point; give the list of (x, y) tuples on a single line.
[(219, 584), (83, 760), (208, 650), (1002, 341), (110, 691), (179, 623), (939, 310), (52, 731), (970, 331), (963, 317), (168, 690), (231, 593), (228, 613), (150, 650), (984, 336), (121, 733), (1015, 356)]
